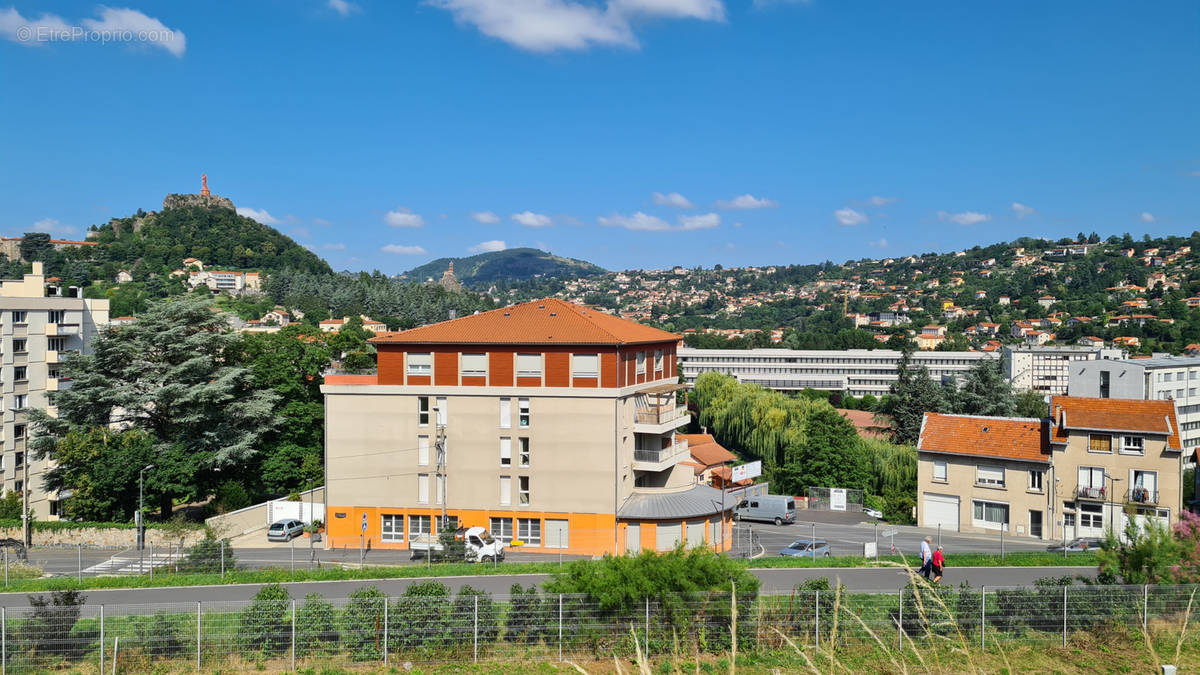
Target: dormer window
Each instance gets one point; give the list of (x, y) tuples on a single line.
[(1133, 445)]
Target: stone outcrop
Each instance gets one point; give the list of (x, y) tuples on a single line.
[(210, 201)]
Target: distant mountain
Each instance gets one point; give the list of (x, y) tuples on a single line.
[(514, 264)]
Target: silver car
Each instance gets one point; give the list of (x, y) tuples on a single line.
[(285, 530)]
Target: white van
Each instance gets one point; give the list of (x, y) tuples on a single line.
[(776, 509)]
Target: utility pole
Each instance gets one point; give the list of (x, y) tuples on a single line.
[(25, 497), (440, 447)]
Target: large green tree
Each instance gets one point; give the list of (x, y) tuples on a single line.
[(985, 391), (914, 394), (171, 376)]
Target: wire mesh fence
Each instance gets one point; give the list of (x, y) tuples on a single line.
[(430, 624)]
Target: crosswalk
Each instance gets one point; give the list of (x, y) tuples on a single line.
[(133, 564)]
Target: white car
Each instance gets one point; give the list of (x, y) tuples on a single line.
[(874, 513)]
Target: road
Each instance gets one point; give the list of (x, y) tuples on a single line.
[(774, 581)]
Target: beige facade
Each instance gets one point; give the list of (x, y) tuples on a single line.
[(943, 479)]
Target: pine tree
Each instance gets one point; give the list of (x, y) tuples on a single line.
[(985, 391), (913, 395)]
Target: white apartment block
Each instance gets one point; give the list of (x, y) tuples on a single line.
[(857, 372), (1161, 378), (39, 327), (1047, 370)]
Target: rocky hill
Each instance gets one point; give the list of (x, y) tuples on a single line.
[(515, 264)]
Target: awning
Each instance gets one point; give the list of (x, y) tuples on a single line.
[(696, 501), (664, 388)]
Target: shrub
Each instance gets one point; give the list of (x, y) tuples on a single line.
[(205, 555), (362, 624), (161, 635), (316, 626), (527, 620), (264, 624), (49, 631), (231, 496), (421, 618), (466, 622)]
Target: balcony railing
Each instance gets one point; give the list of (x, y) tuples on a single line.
[(55, 329), (660, 414), (1141, 495), (663, 455), (1089, 492)]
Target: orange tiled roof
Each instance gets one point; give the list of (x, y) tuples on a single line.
[(547, 321), (999, 437), (705, 449), (1114, 414)]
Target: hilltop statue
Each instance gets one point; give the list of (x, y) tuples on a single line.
[(204, 184), (449, 281), (205, 199)]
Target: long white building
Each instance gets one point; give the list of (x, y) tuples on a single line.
[(857, 372), (1047, 370)]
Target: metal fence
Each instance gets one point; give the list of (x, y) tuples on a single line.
[(835, 499), (430, 624)]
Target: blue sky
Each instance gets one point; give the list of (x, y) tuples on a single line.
[(383, 134)]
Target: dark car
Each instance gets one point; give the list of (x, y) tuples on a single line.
[(1078, 545), (805, 547), (285, 530)]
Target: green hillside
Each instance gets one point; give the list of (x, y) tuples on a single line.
[(514, 264)]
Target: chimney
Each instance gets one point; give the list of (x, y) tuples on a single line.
[(454, 313)]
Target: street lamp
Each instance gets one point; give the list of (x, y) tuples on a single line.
[(1111, 506), (141, 524)]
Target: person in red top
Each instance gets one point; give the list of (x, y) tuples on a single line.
[(939, 563)]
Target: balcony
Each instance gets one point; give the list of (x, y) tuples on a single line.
[(659, 419), (1088, 492), (56, 356), (658, 460), (1141, 495), (61, 329)]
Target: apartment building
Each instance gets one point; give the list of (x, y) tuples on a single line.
[(857, 372), (546, 422), (1084, 471), (39, 327), (1161, 378), (1047, 370)]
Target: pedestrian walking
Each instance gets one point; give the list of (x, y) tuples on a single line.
[(939, 564), (926, 557)]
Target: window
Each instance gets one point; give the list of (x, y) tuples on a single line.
[(505, 452), (420, 525), (989, 475), (1105, 377), (19, 486), (52, 373), (474, 365), (392, 527), (420, 364), (1068, 520), (422, 488), (502, 529), (447, 523), (20, 401), (523, 412), (18, 317), (20, 373), (529, 365), (505, 491), (991, 514), (20, 461), (439, 484), (1178, 392), (1143, 487), (1035, 479), (557, 534), (939, 469), (422, 451), (1091, 515), (585, 365), (56, 344), (658, 359), (523, 490), (18, 431), (523, 452), (505, 413), (641, 363), (529, 530), (1133, 445), (442, 411), (423, 411), (56, 316), (1099, 443), (19, 345)]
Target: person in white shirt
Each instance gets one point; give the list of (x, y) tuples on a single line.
[(926, 557)]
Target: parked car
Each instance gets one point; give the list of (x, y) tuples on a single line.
[(1077, 545), (285, 530), (874, 513), (776, 509), (807, 547)]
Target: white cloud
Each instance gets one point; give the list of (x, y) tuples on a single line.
[(300, 233), (488, 246), (403, 217), (879, 243), (747, 201), (531, 219), (51, 226), (1022, 210), (322, 222), (334, 247), (849, 216), (342, 7), (673, 199), (964, 218), (114, 26), (642, 222), (403, 250), (260, 215), (876, 200), (1147, 217), (552, 25), (485, 217)]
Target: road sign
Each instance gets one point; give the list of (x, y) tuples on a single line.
[(364, 523), (744, 471), (869, 550), (837, 499), (890, 532)]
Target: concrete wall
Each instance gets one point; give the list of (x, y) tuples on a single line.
[(1126, 380), (253, 517), (114, 537)]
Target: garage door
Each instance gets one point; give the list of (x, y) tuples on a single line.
[(695, 533), (940, 510), (668, 536), (633, 538)]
